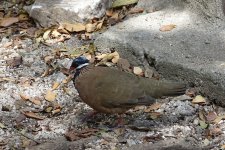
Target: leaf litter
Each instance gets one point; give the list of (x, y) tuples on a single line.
[(48, 97)]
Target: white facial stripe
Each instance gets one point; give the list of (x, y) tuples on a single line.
[(81, 66)]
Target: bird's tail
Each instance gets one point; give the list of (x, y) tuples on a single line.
[(164, 88)]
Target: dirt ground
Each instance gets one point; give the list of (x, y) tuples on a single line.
[(37, 114)]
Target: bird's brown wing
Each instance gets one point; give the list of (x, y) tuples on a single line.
[(113, 88)]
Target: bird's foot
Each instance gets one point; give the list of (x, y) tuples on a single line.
[(120, 122)]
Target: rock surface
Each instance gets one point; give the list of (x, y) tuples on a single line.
[(52, 12), (193, 51)]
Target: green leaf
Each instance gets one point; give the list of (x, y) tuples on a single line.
[(119, 3), (203, 125)]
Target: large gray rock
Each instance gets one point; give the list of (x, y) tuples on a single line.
[(51, 12), (194, 51)]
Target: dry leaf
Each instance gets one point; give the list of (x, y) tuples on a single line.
[(211, 116), (115, 56), (36, 100), (119, 3), (166, 28), (55, 33), (23, 17), (24, 97), (5, 22), (202, 116), (100, 57), (216, 131), (137, 71), (90, 27), (56, 111), (202, 124), (50, 96), (47, 34), (100, 23), (199, 100), (154, 115), (87, 55), (74, 135), (48, 59), (137, 108), (78, 27), (26, 143), (6, 45), (136, 10), (223, 146), (55, 85), (2, 126), (155, 106), (15, 61), (68, 79), (218, 119), (33, 115), (109, 13)]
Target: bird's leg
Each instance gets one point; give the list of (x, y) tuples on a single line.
[(89, 115), (120, 122)]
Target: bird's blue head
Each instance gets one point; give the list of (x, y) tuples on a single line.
[(79, 62)]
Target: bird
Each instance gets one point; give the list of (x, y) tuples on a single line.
[(112, 91)]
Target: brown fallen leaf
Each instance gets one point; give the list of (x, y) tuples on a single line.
[(109, 12), (114, 19), (100, 57), (222, 147), (87, 55), (50, 96), (137, 108), (153, 138), (48, 59), (114, 57), (36, 100), (55, 33), (154, 115), (46, 34), (166, 28), (6, 45), (26, 143), (211, 116), (154, 106), (216, 131), (218, 119), (199, 100), (68, 79), (23, 17), (202, 115), (136, 10), (33, 115), (78, 27), (74, 135), (100, 24), (56, 111), (55, 85), (5, 22), (90, 27), (24, 97), (15, 61), (138, 71)]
